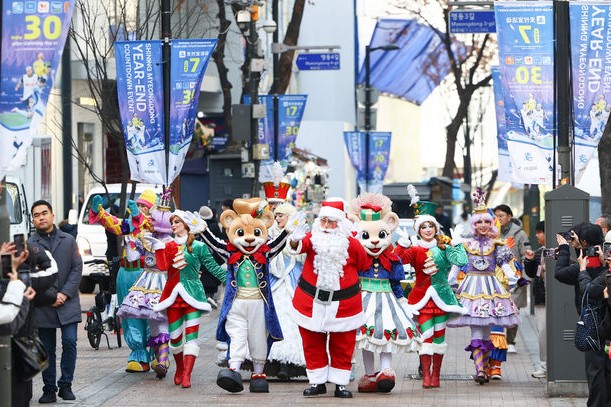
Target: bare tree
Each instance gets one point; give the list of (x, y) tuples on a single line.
[(468, 62), (291, 37)]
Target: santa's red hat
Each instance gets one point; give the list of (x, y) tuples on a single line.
[(332, 209)]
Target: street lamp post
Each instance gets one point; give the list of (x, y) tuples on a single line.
[(368, 103)]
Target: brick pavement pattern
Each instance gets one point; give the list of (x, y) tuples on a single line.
[(101, 381)]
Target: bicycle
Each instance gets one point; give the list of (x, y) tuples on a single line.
[(102, 317)]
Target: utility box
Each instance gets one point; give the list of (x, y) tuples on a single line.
[(565, 207)]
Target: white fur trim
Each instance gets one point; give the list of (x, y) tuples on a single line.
[(324, 319), (331, 212), (427, 349), (318, 376), (191, 349), (440, 348), (431, 294), (420, 219), (180, 289), (339, 376)]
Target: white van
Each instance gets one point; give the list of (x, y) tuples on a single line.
[(91, 238), (17, 206)]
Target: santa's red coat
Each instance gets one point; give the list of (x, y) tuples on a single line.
[(338, 316)]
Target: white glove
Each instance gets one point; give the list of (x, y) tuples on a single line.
[(154, 244), (298, 225), (409, 310), (131, 250), (295, 220), (456, 235), (404, 240)]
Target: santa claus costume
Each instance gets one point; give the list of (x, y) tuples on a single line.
[(327, 302)]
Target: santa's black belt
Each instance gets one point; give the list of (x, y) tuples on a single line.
[(325, 297)]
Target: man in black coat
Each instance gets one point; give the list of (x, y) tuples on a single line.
[(65, 312)]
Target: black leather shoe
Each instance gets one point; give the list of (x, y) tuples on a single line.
[(315, 390), (47, 397), (341, 392), (66, 393)]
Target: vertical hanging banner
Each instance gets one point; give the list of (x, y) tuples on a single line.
[(505, 172), (379, 156), (189, 61), (290, 113), (591, 72), (140, 92), (525, 37), (33, 38), (140, 84)]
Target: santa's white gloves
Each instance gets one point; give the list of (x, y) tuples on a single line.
[(154, 244), (298, 226), (456, 235), (404, 240)]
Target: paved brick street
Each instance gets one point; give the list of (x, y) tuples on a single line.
[(101, 381)]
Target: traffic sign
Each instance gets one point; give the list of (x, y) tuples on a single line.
[(318, 62), (472, 21)]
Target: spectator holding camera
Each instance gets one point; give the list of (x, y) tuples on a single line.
[(534, 267), (587, 275), (15, 316), (12, 290)]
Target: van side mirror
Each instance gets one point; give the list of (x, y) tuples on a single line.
[(72, 217)]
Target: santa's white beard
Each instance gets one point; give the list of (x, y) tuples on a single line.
[(330, 259)]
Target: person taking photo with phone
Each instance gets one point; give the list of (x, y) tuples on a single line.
[(587, 275), (15, 313)]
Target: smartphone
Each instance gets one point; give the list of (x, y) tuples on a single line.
[(607, 250), (25, 277), (7, 265), (549, 253), (568, 236), (19, 243)]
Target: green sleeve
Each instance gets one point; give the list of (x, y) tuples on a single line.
[(457, 255), (208, 261)]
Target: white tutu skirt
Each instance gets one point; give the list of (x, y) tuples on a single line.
[(387, 328)]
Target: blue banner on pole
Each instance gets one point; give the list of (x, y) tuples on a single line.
[(140, 85), (33, 38), (189, 61), (505, 173), (290, 113), (379, 156), (591, 71), (525, 37)]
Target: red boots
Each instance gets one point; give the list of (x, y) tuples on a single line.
[(437, 359), (189, 361), (425, 361), (179, 368)]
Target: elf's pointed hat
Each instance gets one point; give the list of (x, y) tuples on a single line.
[(275, 189)]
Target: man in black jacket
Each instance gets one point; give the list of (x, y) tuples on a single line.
[(534, 267)]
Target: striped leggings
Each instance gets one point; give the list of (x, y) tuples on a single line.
[(433, 327), (184, 329)]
